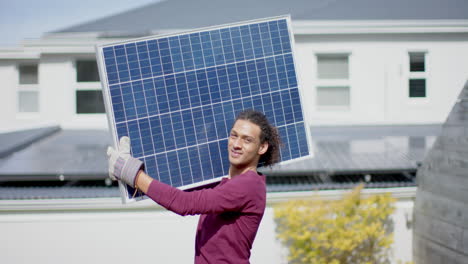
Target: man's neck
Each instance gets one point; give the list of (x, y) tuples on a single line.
[(233, 171)]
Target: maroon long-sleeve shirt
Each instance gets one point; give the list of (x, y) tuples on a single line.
[(230, 215)]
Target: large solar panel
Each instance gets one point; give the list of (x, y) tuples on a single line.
[(176, 96)]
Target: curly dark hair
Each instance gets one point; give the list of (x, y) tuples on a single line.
[(268, 134)]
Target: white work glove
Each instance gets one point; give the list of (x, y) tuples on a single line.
[(122, 166)]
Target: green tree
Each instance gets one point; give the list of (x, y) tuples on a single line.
[(346, 231)]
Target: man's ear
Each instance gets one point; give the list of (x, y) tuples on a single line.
[(263, 148)]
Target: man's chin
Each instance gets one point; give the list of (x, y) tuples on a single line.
[(235, 162)]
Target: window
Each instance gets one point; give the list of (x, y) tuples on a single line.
[(89, 98), (417, 75), (87, 71), (417, 62), (417, 87), (89, 102), (333, 89), (28, 74), (28, 88), (332, 66), (333, 95)]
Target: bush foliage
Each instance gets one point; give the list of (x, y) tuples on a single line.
[(350, 230)]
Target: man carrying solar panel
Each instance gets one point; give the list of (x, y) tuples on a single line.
[(230, 212)]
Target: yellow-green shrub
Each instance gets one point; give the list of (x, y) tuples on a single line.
[(346, 231)]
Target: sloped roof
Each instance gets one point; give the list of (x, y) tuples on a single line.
[(80, 154), (72, 163), (65, 155), (363, 149), (187, 14), (57, 192), (11, 142)]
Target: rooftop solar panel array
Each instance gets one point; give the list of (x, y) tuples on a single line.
[(177, 96)]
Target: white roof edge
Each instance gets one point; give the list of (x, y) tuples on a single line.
[(401, 194), (27, 125), (305, 27), (63, 44), (72, 43), (64, 41), (299, 26), (18, 54), (70, 35)]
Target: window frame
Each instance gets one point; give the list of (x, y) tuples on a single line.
[(332, 82), (84, 86), (33, 87), (417, 75), (77, 61), (76, 101)]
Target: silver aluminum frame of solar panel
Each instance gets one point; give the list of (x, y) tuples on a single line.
[(106, 96)]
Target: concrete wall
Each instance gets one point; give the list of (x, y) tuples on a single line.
[(104, 231), (441, 214)]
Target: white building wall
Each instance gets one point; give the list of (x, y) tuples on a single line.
[(8, 72), (56, 75), (103, 231), (378, 77), (59, 86), (379, 68)]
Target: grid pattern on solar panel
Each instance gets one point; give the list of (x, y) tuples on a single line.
[(177, 97)]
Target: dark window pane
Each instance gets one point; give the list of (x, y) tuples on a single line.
[(417, 87), (417, 62), (89, 102), (28, 74), (87, 71)]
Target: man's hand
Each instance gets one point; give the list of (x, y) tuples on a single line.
[(122, 166)]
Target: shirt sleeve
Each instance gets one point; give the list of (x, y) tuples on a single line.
[(234, 195)]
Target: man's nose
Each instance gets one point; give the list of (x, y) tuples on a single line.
[(237, 143)]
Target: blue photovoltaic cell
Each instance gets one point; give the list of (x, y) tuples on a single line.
[(176, 97)]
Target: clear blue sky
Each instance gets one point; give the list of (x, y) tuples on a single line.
[(29, 19)]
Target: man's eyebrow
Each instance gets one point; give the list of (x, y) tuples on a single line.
[(248, 137)]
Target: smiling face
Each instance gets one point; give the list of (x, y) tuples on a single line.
[(244, 146)]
